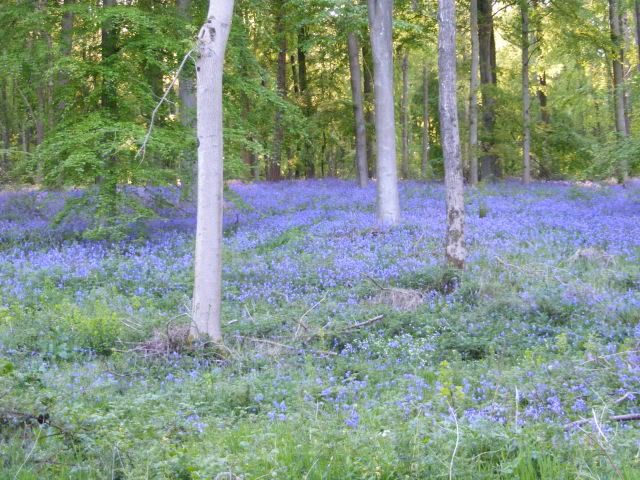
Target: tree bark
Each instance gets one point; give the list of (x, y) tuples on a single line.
[(306, 153), (618, 73), (636, 12), (526, 99), (207, 290), (358, 109), (473, 96), (108, 180), (426, 144), (367, 62), (66, 47), (488, 80), (405, 115), (454, 186), (187, 97), (380, 31), (274, 169)]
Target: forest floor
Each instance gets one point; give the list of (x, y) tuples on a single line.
[(351, 352)]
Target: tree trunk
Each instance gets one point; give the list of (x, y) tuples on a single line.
[(618, 73), (275, 171), (526, 100), (367, 62), (187, 105), (454, 186), (426, 145), (473, 96), (617, 57), (294, 75), (380, 30), (358, 109), (545, 118), (405, 115), (488, 81), (66, 47), (306, 153), (636, 11), (207, 290), (108, 181)]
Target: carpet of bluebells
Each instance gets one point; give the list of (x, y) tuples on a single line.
[(515, 368)]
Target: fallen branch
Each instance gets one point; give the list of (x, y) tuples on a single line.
[(629, 417), (366, 323), (287, 347)]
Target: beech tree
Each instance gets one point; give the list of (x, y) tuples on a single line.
[(358, 109), (426, 144), (473, 95), (207, 290), (380, 31), (526, 98), (447, 79)]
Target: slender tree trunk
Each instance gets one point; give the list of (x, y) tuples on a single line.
[(426, 145), (358, 109), (405, 115), (207, 290), (6, 128), (454, 183), (108, 182), (636, 11), (526, 99), (380, 30), (306, 152), (545, 118), (66, 46), (473, 96), (618, 74), (186, 86), (367, 63), (275, 170), (294, 75), (488, 81), (187, 105)]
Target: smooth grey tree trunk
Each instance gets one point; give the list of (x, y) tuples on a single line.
[(367, 62), (274, 171), (426, 144), (358, 109), (636, 12), (618, 73), (405, 115), (306, 153), (380, 31), (622, 127), (207, 290), (473, 96), (66, 46), (187, 96), (454, 183), (488, 80), (526, 98)]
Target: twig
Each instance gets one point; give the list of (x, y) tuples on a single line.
[(143, 148), (604, 357), (300, 320), (288, 347), (375, 282), (455, 449), (26, 459), (363, 324), (604, 450)]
